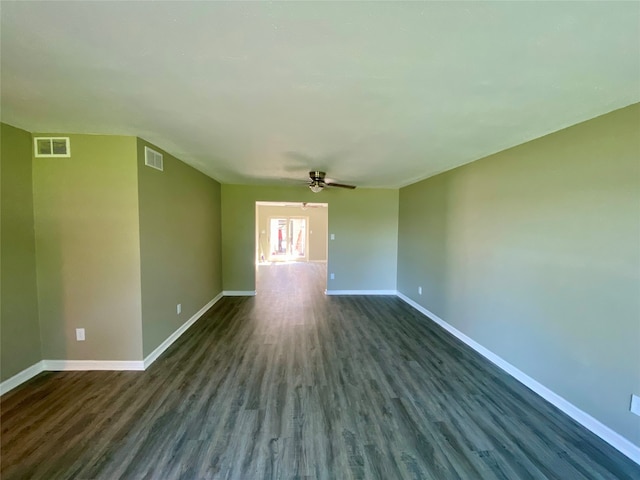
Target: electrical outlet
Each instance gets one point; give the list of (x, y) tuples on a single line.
[(80, 334), (179, 309), (635, 405), (333, 236), (332, 276), (419, 290)]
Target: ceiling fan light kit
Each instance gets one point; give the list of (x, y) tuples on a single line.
[(315, 187)]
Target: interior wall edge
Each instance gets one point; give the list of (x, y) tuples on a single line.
[(21, 377), (360, 292), (159, 350), (607, 434)]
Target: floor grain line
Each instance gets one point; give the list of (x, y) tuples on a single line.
[(295, 384)]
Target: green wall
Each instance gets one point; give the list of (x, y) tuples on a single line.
[(20, 333), (364, 221), (180, 244), (88, 250), (535, 254)]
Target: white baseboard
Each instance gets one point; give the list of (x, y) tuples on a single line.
[(607, 434), (21, 377), (360, 292), (78, 365), (239, 293), (613, 438), (67, 365), (153, 356)]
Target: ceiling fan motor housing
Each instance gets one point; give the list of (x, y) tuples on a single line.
[(317, 177)]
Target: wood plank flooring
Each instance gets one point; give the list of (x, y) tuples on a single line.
[(292, 384)]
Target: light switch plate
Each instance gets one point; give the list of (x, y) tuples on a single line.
[(635, 405)]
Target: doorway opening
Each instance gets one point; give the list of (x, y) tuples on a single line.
[(291, 246), (287, 239)]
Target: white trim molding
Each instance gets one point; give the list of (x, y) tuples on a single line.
[(153, 356), (21, 377), (239, 293), (360, 292), (79, 365), (610, 436)]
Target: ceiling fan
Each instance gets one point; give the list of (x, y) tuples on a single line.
[(318, 183)]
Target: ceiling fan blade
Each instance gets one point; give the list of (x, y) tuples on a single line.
[(340, 185)]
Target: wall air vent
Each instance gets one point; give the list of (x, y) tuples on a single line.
[(52, 147), (153, 159)]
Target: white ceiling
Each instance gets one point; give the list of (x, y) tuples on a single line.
[(376, 94)]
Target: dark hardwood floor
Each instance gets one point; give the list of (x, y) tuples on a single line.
[(293, 384)]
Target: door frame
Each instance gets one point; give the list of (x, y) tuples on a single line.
[(288, 256)]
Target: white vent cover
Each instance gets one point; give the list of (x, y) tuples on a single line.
[(153, 159), (52, 147)]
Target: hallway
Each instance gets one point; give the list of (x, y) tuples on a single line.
[(295, 384)]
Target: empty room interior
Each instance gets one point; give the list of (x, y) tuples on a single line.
[(332, 240)]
